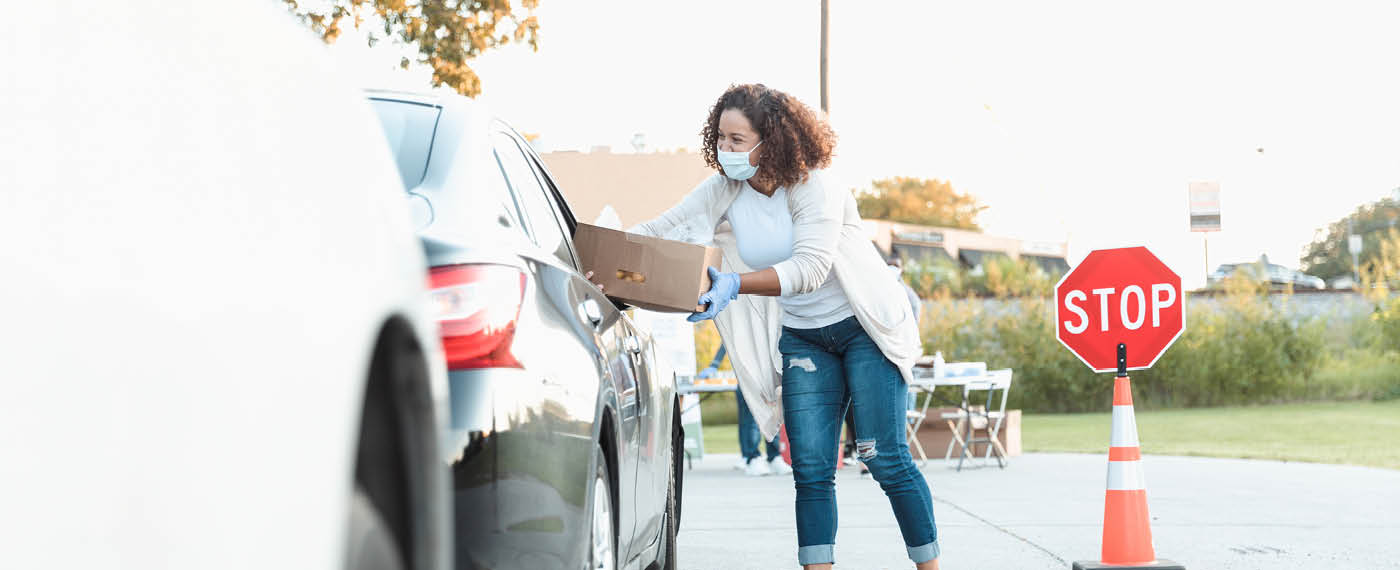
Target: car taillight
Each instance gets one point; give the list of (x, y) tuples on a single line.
[(477, 307)]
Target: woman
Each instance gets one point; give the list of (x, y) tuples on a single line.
[(795, 250)]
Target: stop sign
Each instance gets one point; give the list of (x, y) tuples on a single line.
[(1114, 296)]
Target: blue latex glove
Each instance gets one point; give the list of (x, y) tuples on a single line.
[(708, 372), (724, 287)]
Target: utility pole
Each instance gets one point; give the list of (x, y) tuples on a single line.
[(826, 26), (1205, 254), (1354, 245)]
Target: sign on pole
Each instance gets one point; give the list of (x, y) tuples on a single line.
[(1205, 206), (1119, 296)]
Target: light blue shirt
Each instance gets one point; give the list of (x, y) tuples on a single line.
[(763, 233)]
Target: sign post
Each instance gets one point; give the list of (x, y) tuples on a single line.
[(1119, 310), (1205, 214)]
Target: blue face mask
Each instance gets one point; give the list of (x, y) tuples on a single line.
[(736, 164)]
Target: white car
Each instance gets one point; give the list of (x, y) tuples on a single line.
[(216, 349)]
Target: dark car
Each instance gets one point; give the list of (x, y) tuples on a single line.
[(1277, 276), (567, 445)]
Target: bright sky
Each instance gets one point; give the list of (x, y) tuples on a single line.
[(1072, 120)]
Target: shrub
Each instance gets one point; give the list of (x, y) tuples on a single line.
[(707, 341), (1240, 350), (1357, 374), (1240, 347), (1000, 277), (1018, 334), (1380, 279)]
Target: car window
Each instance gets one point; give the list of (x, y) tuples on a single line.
[(499, 193), (526, 186), (561, 208), (409, 129)]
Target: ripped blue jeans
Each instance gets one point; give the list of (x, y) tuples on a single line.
[(822, 368)]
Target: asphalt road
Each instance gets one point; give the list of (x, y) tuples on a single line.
[(1044, 511)]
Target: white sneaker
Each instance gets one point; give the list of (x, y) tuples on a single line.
[(779, 467), (741, 464), (757, 468)]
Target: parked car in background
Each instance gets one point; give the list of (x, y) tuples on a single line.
[(565, 432), (1304, 281), (216, 346), (1277, 276), (1343, 282)]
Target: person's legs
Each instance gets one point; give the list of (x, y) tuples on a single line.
[(748, 429), (750, 435), (878, 396), (814, 394), (774, 448)]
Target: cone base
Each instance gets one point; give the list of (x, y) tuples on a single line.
[(1158, 564)]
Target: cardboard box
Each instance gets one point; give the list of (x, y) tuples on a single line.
[(934, 435), (646, 272)]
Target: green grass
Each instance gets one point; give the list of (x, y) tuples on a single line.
[(719, 408), (722, 438), (1358, 432)]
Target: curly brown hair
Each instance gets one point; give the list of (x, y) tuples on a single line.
[(795, 140)]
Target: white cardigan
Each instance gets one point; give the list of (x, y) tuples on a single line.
[(827, 234)]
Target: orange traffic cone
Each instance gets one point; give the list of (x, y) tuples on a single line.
[(1127, 534)]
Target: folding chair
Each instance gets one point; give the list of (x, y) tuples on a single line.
[(971, 418), (913, 418)]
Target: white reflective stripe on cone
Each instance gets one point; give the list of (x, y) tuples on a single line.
[(1125, 476), (1124, 428)]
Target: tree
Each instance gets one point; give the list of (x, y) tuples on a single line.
[(1380, 279), (447, 33), (930, 202), (1328, 257)]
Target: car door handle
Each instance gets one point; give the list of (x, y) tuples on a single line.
[(591, 312)]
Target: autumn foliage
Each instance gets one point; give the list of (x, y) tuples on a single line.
[(447, 34)]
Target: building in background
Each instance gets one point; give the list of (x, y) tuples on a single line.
[(970, 248), (639, 186)]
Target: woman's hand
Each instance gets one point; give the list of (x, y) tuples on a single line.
[(724, 287), (589, 277)]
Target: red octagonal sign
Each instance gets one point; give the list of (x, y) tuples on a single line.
[(1114, 296)]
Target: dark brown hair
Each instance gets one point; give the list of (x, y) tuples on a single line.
[(795, 139)]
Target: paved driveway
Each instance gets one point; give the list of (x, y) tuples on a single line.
[(1044, 511)]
